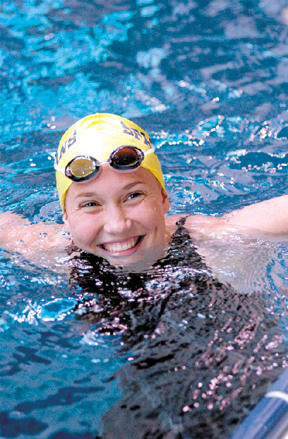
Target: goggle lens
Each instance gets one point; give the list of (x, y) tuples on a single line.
[(126, 158), (81, 168)]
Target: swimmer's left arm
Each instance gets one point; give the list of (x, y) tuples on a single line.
[(267, 219)]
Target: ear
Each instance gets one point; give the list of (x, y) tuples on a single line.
[(65, 219), (165, 200)]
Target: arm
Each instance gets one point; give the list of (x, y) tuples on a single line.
[(234, 246), (267, 219), (35, 242)]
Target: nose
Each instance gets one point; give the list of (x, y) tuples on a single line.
[(116, 220)]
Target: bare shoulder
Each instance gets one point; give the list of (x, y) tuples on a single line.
[(199, 226), (205, 225)]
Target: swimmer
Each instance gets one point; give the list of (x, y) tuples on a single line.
[(115, 204)]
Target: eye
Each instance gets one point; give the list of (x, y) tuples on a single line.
[(89, 204), (135, 195)]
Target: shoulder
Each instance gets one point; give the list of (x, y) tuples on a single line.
[(198, 226)]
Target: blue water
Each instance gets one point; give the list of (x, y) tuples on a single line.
[(208, 81)]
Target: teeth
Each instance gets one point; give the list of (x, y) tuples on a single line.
[(120, 246)]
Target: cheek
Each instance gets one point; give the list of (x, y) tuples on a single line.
[(151, 216), (83, 231)]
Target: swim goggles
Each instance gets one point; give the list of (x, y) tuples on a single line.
[(124, 158)]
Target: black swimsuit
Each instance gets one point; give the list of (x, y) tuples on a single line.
[(122, 294), (92, 272), (201, 351)]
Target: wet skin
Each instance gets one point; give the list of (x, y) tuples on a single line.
[(119, 216)]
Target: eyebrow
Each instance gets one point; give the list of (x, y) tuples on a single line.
[(92, 194)]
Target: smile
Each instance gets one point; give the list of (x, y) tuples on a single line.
[(123, 247)]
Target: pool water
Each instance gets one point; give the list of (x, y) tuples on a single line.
[(208, 81)]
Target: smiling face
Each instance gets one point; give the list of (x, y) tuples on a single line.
[(119, 216)]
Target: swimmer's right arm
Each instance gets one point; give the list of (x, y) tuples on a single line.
[(32, 241)]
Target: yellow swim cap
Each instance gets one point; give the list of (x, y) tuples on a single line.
[(98, 135)]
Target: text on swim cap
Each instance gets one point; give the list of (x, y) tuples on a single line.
[(66, 145), (139, 135)]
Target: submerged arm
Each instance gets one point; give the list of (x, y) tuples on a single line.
[(34, 242), (235, 246)]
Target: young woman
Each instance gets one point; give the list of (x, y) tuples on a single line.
[(199, 348), (114, 202)]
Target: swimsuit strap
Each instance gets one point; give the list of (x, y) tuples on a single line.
[(182, 220), (183, 251), (181, 234)]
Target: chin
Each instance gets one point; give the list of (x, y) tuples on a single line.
[(140, 262)]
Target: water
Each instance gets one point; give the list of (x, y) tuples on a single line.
[(208, 81)]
